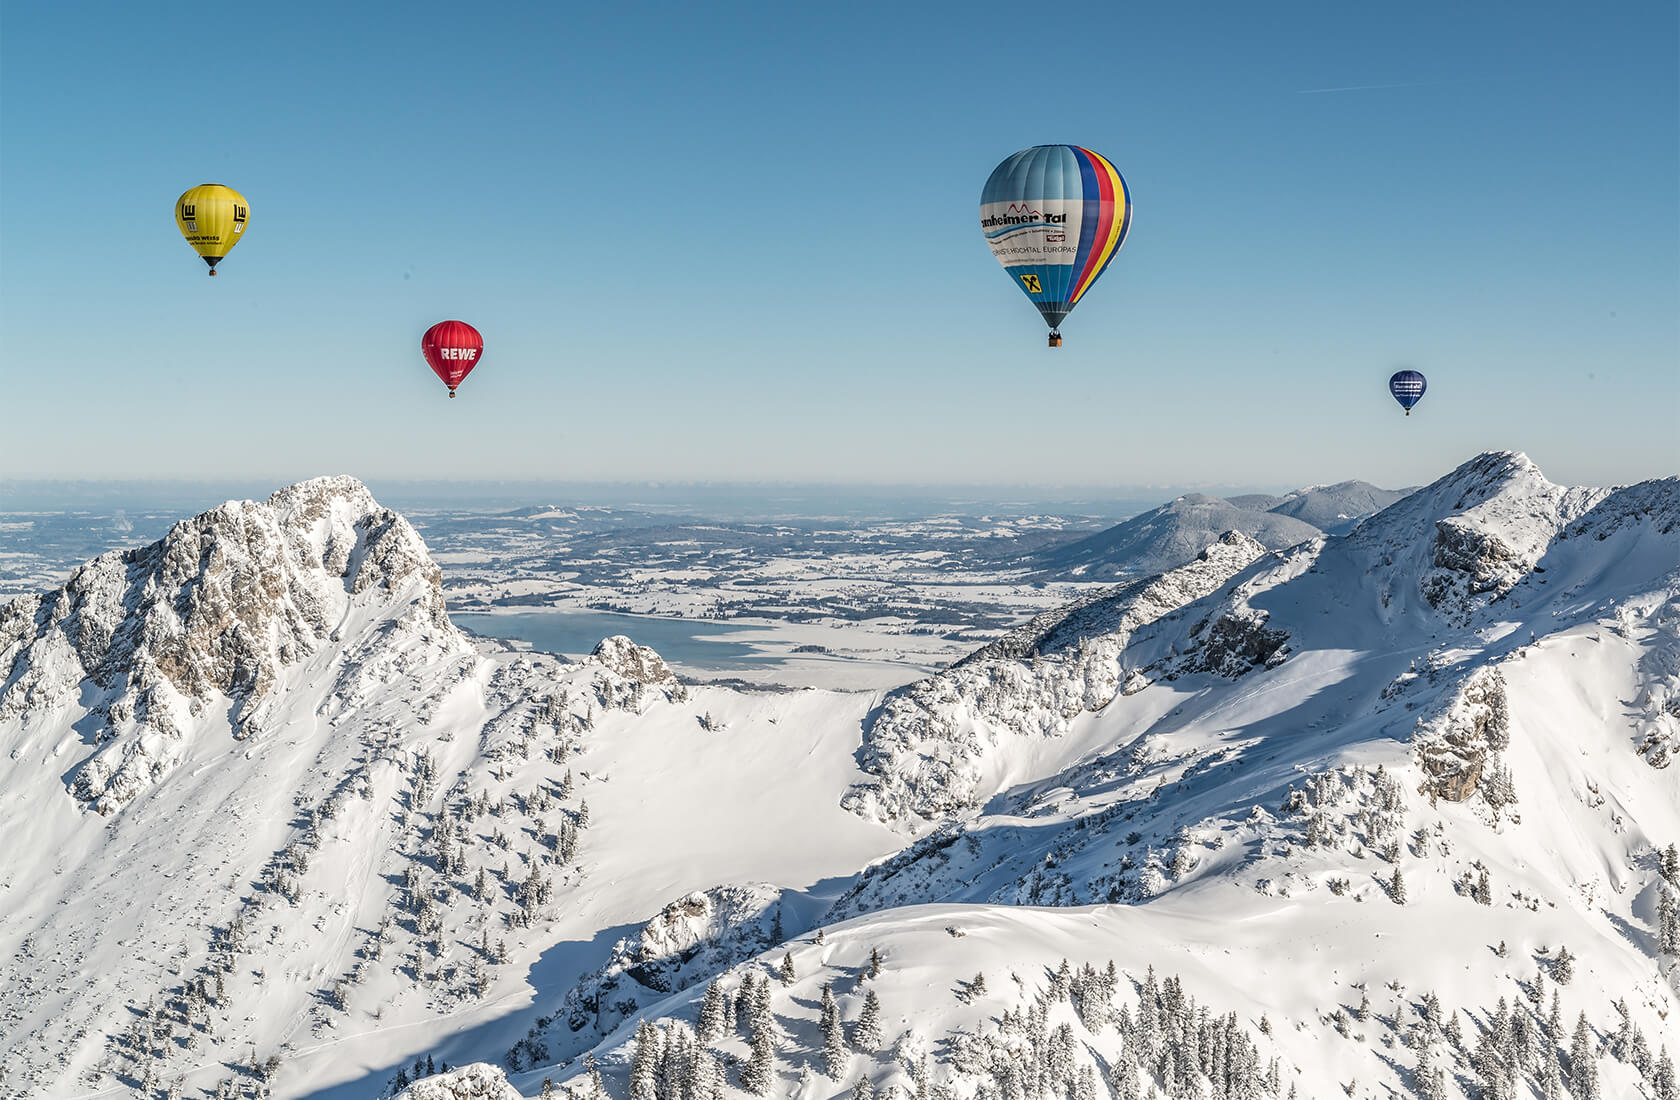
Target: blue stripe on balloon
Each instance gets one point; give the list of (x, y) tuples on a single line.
[(1125, 225)]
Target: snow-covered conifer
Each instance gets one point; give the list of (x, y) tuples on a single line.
[(863, 1090), (1668, 923), (1670, 865), (1583, 1062), (711, 1020), (760, 1070), (1563, 969), (866, 1037), (786, 971), (644, 1064)]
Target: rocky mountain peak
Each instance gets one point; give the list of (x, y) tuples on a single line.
[(145, 639)]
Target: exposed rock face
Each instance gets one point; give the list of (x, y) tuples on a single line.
[(690, 939), (1236, 642), (629, 671), (147, 639), (929, 742), (1455, 754), (631, 661), (479, 1081)]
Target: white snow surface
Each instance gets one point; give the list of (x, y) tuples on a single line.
[(257, 754)]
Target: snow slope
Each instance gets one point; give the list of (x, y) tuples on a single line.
[(1407, 767), (1415, 767), (322, 828)]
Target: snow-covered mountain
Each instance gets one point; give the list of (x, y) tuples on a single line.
[(1333, 820), (1176, 532), (1336, 509), (1167, 537)]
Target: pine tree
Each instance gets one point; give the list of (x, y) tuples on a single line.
[(977, 988), (1551, 1074), (761, 1018), (1563, 970), (863, 1090), (834, 1048), (1663, 1080), (866, 1037), (1668, 923), (786, 972), (874, 963), (1583, 1063), (548, 1088), (760, 1069), (644, 1064), (710, 1023), (1671, 865)]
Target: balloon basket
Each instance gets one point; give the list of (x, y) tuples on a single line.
[(1055, 339)]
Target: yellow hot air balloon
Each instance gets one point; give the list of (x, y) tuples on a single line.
[(212, 218)]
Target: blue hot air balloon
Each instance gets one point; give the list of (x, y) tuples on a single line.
[(1055, 217), (1407, 386)]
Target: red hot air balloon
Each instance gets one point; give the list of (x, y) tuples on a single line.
[(452, 350)]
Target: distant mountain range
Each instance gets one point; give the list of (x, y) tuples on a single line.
[(1176, 532)]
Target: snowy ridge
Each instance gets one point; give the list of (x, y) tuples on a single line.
[(1404, 814), (1168, 537), (208, 618), (934, 742), (1386, 814), (689, 940), (358, 821)]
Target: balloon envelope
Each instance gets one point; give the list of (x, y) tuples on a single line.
[(213, 219), (452, 350), (1407, 386), (1055, 217)]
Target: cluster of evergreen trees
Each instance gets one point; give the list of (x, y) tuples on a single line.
[(1171, 1044)]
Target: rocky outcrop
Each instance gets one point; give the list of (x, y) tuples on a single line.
[(633, 662), (148, 639), (479, 1081), (1456, 752), (630, 673), (689, 940), (929, 742)]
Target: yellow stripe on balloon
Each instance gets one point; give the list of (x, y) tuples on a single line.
[(1121, 201)]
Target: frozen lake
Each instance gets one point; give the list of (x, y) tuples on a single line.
[(843, 656), (695, 643)]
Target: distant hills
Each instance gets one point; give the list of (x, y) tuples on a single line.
[(1176, 532)]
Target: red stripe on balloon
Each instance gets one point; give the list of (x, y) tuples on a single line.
[(1105, 224)]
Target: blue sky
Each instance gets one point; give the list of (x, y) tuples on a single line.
[(740, 242)]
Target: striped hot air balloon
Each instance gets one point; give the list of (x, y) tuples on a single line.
[(1055, 217)]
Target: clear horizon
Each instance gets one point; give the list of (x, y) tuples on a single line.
[(738, 245)]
